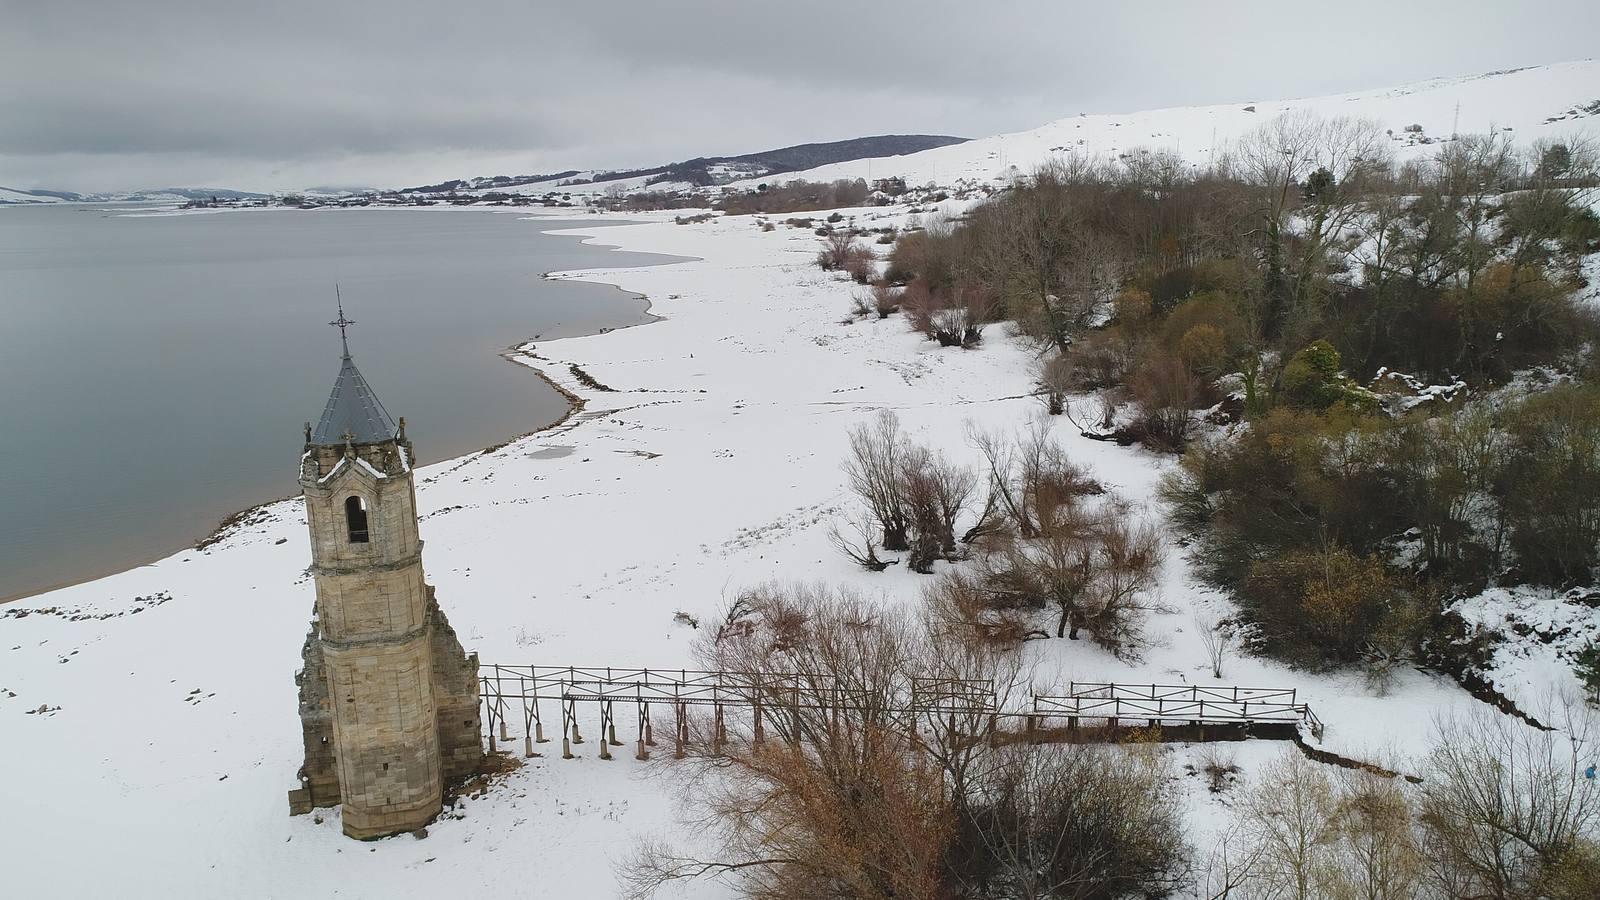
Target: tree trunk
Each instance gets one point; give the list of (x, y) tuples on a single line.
[(894, 538)]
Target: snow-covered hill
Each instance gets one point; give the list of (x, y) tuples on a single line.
[(1553, 101), (14, 196)]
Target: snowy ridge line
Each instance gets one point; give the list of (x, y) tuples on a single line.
[(1550, 102)]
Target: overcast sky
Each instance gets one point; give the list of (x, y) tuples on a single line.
[(277, 94)]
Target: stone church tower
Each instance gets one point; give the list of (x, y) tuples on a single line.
[(388, 699)]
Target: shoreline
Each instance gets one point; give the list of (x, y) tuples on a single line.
[(512, 354)]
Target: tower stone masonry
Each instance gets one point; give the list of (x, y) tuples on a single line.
[(388, 699)]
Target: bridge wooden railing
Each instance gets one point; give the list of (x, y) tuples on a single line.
[(1176, 703), (520, 691)]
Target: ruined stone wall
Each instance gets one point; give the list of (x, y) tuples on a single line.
[(455, 691), (319, 776)]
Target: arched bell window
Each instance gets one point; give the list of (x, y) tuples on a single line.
[(355, 518)]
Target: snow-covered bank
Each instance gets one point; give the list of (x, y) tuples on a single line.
[(169, 733)]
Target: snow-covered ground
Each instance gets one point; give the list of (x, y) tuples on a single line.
[(148, 742)]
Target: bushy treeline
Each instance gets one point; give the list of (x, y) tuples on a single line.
[(1339, 531), (1276, 287), (1148, 277), (797, 196)]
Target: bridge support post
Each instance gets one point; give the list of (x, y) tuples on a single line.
[(608, 730), (680, 731)]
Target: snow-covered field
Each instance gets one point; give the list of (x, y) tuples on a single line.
[(168, 731)]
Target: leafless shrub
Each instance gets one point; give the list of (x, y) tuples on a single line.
[(796, 196), (961, 605), (860, 305), (858, 264), (1218, 765), (1073, 821), (1218, 636), (1055, 382), (1166, 393), (953, 318), (838, 251), (885, 299)]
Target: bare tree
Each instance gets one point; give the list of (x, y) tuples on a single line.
[(1374, 853), (832, 802), (1217, 636), (1301, 162), (1056, 271), (1231, 867), (1288, 817), (874, 470), (1506, 804), (1095, 563)]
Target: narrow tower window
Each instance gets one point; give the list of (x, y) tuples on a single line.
[(355, 516)]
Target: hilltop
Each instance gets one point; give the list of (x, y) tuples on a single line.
[(1533, 103), (705, 171)]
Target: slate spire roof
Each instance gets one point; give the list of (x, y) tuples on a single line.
[(352, 406)]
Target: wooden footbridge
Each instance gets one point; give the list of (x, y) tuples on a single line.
[(1174, 704), (522, 695)]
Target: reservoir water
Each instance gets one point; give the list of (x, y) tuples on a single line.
[(155, 370)]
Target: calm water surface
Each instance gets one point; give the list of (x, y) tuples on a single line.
[(155, 369)]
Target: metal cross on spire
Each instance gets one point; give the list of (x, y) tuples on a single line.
[(342, 323)]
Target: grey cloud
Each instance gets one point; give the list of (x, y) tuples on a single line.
[(274, 95)]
